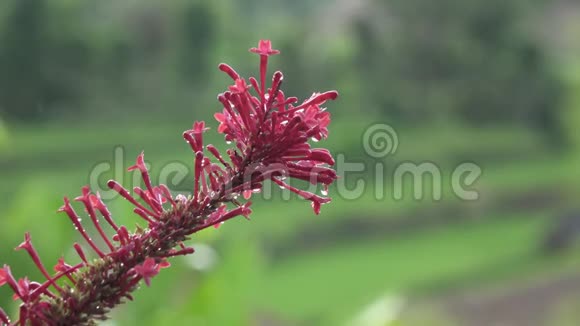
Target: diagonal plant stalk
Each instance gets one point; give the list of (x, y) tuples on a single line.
[(271, 138)]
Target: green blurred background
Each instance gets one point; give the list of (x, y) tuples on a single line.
[(493, 82)]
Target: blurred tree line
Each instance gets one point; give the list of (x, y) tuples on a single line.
[(56, 55), (414, 61), (471, 60)]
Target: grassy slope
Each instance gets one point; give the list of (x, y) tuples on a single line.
[(334, 283), (330, 283)]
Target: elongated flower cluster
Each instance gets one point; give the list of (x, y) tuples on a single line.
[(271, 137)]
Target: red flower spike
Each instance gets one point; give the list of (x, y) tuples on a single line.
[(164, 264), (7, 278), (61, 266), (150, 199), (122, 236), (26, 288), (143, 214), (182, 252), (148, 270), (4, 318), (255, 85), (114, 185), (65, 268), (221, 118), (276, 82), (87, 201), (27, 245), (140, 165), (317, 201), (3, 277), (239, 87), (229, 70), (167, 195), (80, 252), (319, 98), (195, 136), (270, 137), (197, 176), (321, 155), (239, 211), (75, 219), (102, 208), (265, 48), (23, 290)]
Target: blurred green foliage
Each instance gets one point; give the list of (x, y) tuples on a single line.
[(472, 61), (479, 81), (4, 137), (413, 61)]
